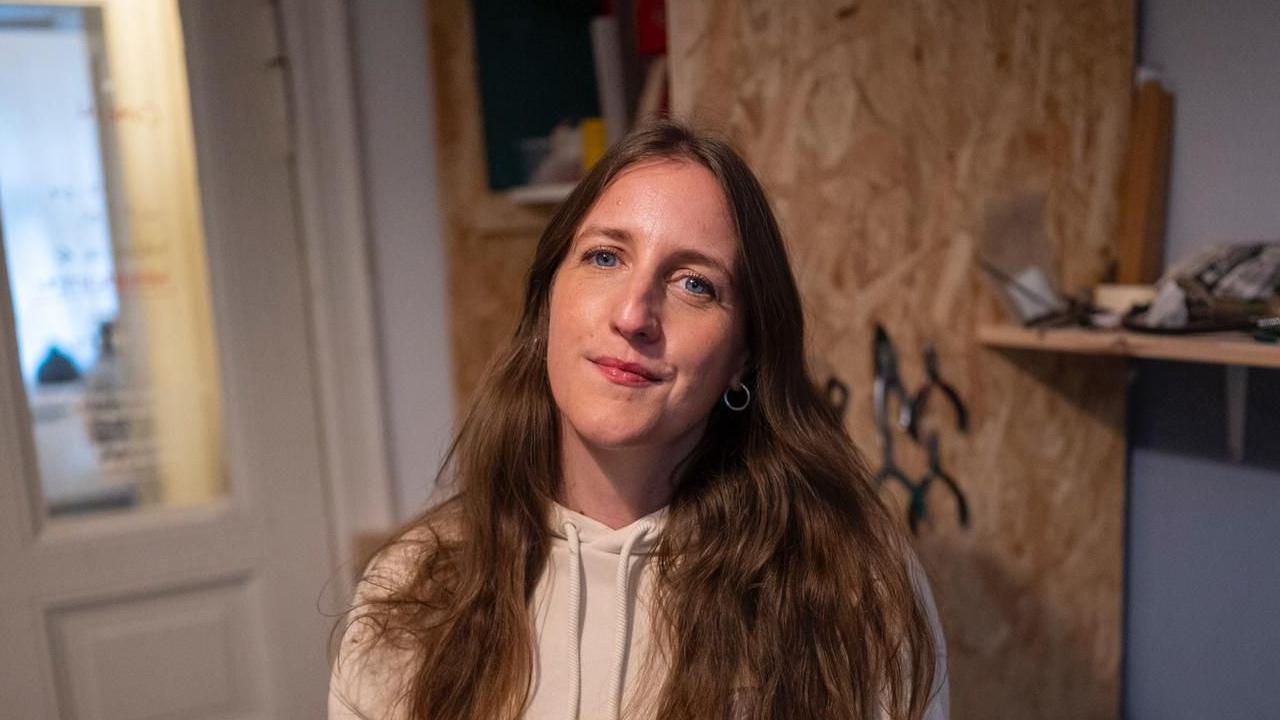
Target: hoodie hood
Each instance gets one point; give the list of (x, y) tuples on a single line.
[(605, 539)]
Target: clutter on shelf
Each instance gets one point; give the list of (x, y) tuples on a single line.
[(1227, 287), (560, 83)]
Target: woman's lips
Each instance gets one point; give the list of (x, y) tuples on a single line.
[(625, 373)]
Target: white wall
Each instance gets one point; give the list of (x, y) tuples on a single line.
[(398, 139), (1202, 637), (1222, 59)]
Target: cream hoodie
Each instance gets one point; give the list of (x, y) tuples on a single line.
[(590, 669)]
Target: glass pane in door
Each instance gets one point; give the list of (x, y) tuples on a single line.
[(101, 228)]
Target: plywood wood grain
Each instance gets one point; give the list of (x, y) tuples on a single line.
[(887, 131)]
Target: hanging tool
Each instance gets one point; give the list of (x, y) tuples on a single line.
[(918, 509), (921, 398), (890, 470), (887, 385)]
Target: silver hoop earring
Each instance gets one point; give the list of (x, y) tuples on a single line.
[(737, 408)]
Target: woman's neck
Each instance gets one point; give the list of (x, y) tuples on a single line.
[(617, 486)]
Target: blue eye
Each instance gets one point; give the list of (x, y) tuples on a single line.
[(698, 286), (604, 258)]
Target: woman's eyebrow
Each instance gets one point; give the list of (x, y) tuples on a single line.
[(690, 255), (613, 233)]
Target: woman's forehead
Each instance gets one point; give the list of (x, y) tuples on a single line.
[(665, 200)]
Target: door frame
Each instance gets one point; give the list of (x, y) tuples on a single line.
[(332, 216)]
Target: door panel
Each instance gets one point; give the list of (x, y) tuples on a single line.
[(183, 579), (131, 657)]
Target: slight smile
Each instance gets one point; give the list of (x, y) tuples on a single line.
[(625, 373)]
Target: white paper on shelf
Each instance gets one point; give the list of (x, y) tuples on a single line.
[(1032, 294)]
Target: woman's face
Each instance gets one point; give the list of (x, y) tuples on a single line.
[(645, 331)]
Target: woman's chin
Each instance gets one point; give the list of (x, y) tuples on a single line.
[(630, 431), (616, 436)]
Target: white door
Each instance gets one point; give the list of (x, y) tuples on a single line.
[(164, 546)]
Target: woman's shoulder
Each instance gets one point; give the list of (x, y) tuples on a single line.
[(373, 656), (939, 706), (394, 566), (395, 569)]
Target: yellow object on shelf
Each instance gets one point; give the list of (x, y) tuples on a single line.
[(594, 142)]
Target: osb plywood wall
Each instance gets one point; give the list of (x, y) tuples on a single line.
[(890, 134)]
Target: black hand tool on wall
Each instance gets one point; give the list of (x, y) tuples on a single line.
[(918, 509), (921, 399), (888, 385)]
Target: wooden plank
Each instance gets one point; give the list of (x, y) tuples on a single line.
[(1217, 348), (1140, 234)]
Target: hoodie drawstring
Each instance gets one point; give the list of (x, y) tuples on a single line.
[(622, 622), (575, 613)]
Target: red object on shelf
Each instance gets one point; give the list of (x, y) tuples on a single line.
[(651, 27)]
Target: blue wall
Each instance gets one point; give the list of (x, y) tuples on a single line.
[(1203, 632), (1203, 604)]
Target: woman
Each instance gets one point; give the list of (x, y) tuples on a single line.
[(655, 514)]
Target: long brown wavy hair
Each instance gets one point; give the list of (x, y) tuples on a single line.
[(778, 563)]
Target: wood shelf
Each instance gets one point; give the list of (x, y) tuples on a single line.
[(548, 194), (1219, 348)]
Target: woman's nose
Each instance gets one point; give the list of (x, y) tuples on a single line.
[(636, 314)]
